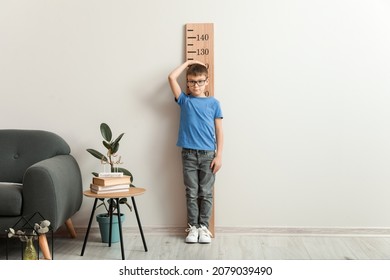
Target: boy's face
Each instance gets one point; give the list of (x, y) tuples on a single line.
[(197, 85)]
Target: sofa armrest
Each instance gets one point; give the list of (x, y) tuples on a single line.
[(53, 187)]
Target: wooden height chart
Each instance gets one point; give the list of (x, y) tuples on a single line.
[(200, 46)]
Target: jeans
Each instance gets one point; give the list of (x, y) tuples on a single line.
[(199, 182)]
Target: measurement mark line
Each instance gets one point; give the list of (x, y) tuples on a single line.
[(191, 37)]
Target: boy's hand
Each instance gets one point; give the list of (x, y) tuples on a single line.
[(190, 62), (216, 164)]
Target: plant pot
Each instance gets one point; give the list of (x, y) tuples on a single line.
[(30, 253), (104, 226)]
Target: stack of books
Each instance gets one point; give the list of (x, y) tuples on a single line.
[(109, 183)]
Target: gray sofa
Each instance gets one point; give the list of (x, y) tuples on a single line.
[(38, 174)]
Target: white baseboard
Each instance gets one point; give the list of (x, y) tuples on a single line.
[(266, 231), (307, 231)]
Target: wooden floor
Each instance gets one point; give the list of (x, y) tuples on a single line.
[(226, 246)]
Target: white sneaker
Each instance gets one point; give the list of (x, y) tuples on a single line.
[(204, 235), (193, 234)]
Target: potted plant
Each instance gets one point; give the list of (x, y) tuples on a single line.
[(113, 160), (27, 235), (104, 219)]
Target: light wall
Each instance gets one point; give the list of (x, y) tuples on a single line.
[(304, 86)]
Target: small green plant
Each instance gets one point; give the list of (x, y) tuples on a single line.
[(114, 206), (111, 157), (112, 147), (41, 228)]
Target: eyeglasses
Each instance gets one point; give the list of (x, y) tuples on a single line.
[(199, 83)]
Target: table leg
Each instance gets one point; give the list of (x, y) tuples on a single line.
[(89, 226), (6, 246), (120, 228), (110, 210), (139, 224)]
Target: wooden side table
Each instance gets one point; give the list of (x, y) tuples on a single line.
[(130, 193)]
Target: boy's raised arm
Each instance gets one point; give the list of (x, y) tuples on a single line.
[(174, 75)]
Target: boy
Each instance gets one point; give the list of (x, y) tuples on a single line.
[(201, 139)]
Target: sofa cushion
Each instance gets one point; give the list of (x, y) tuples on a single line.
[(10, 199)]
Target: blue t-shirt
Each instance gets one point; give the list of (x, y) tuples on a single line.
[(197, 127)]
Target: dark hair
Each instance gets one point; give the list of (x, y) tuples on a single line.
[(197, 70)]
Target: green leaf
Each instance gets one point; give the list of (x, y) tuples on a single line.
[(113, 201), (107, 145), (123, 200), (105, 130), (114, 148), (97, 154), (118, 139), (126, 172)]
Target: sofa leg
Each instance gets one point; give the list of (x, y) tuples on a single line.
[(44, 247), (69, 226)]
